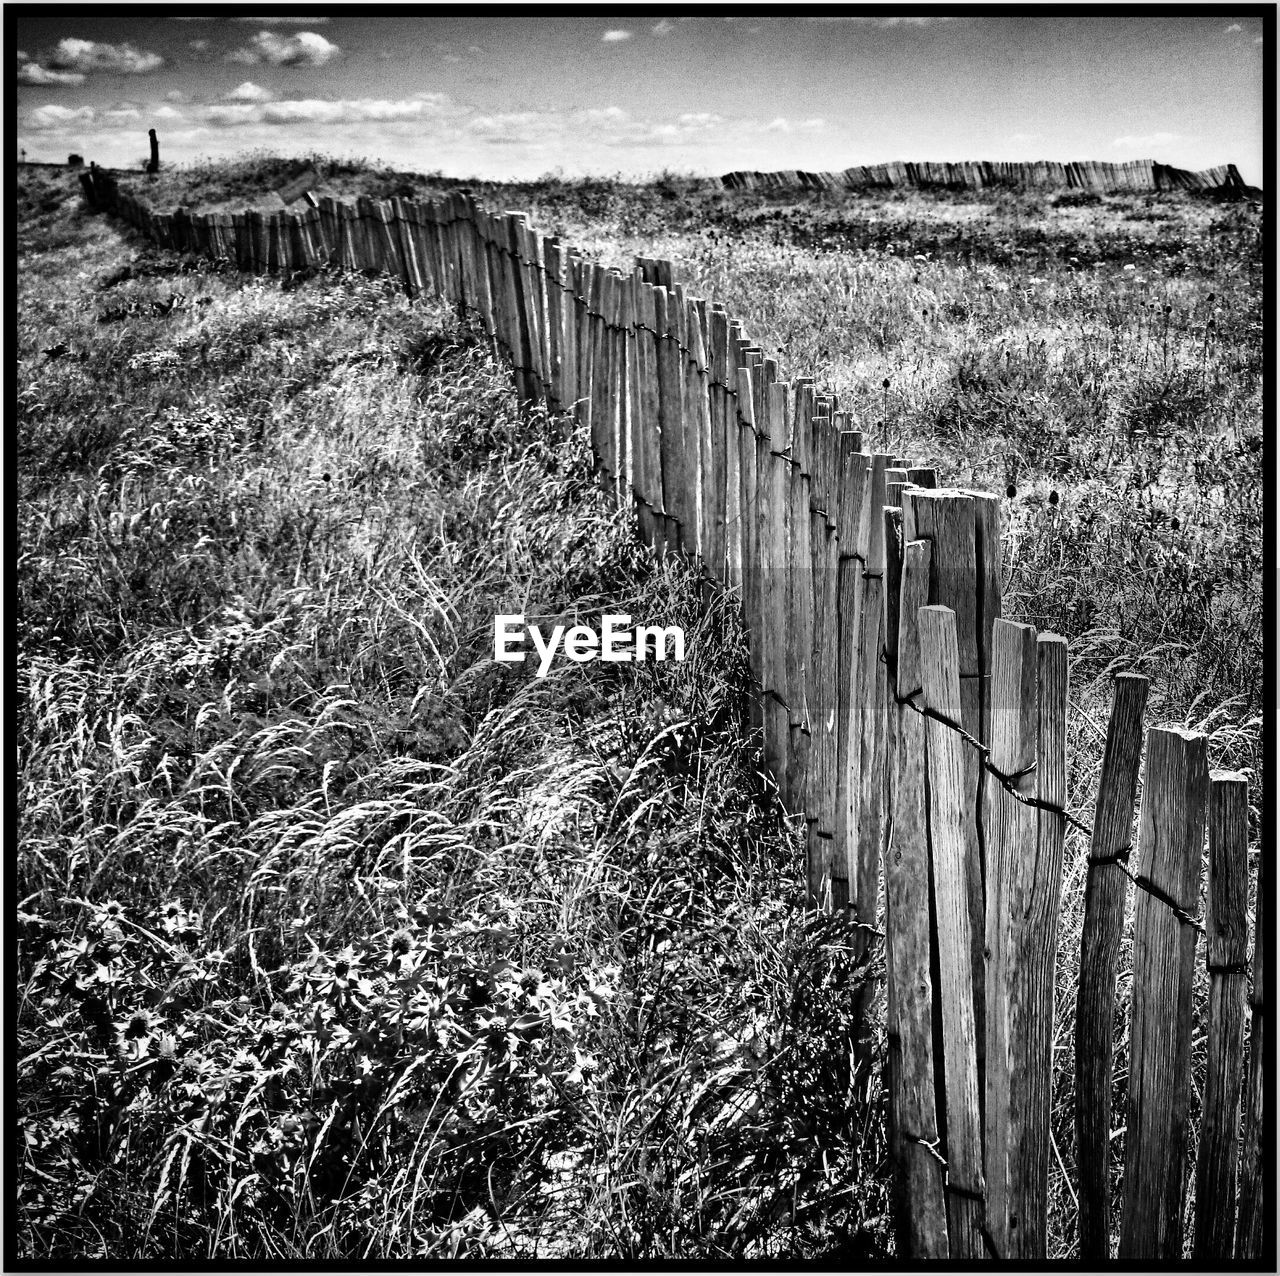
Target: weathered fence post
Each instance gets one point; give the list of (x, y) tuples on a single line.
[(919, 1204), (1011, 843), (940, 670), (1105, 890), (1253, 1203), (1227, 952), (153, 165), (1170, 846)]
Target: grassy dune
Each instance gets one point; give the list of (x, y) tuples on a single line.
[(339, 940)]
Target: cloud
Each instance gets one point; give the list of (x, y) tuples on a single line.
[(93, 55), (665, 27), (176, 95), (23, 56), (34, 73), (46, 119), (324, 110), (306, 48), (284, 22), (200, 46), (615, 37), (1235, 26), (1130, 141), (248, 92), (886, 24)]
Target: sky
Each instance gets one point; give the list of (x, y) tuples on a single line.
[(526, 91)]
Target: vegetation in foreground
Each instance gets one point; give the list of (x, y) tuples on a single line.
[(336, 938), (249, 696)]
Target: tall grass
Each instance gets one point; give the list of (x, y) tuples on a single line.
[(438, 959), (338, 940)]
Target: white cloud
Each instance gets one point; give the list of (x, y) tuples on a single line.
[(615, 37), (248, 92), (1235, 26), (200, 46), (665, 27), (886, 24), (306, 48), (93, 55), (176, 95), (34, 73), (778, 125), (45, 119), (325, 110), (1131, 141), (23, 56)]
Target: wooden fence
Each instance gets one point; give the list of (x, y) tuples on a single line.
[(921, 736), (1087, 175)]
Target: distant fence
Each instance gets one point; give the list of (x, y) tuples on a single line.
[(1089, 175), (922, 736)]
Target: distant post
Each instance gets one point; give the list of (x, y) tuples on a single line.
[(154, 166)]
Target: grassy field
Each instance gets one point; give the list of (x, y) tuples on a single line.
[(339, 940)]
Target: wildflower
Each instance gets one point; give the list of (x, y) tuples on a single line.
[(1128, 266)]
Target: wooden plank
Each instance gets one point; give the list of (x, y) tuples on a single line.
[(947, 517), (940, 679), (1227, 952), (675, 480), (1105, 891), (698, 438), (639, 487), (1171, 834), (1011, 842), (1034, 897), (733, 520), (718, 405), (854, 488), (775, 541), (752, 583), (919, 1201), (1257, 1210), (601, 424)]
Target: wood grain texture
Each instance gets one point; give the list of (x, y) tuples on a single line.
[(1257, 1214), (1011, 842), (1227, 926), (946, 517), (1035, 902), (1106, 888), (940, 682), (1170, 847), (919, 1202)]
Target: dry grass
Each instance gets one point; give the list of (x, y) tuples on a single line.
[(262, 536)]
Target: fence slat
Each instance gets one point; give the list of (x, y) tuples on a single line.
[(1171, 833), (1254, 1205), (919, 1202), (1105, 890), (1034, 912), (1227, 951), (1010, 841), (940, 678), (946, 517)]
